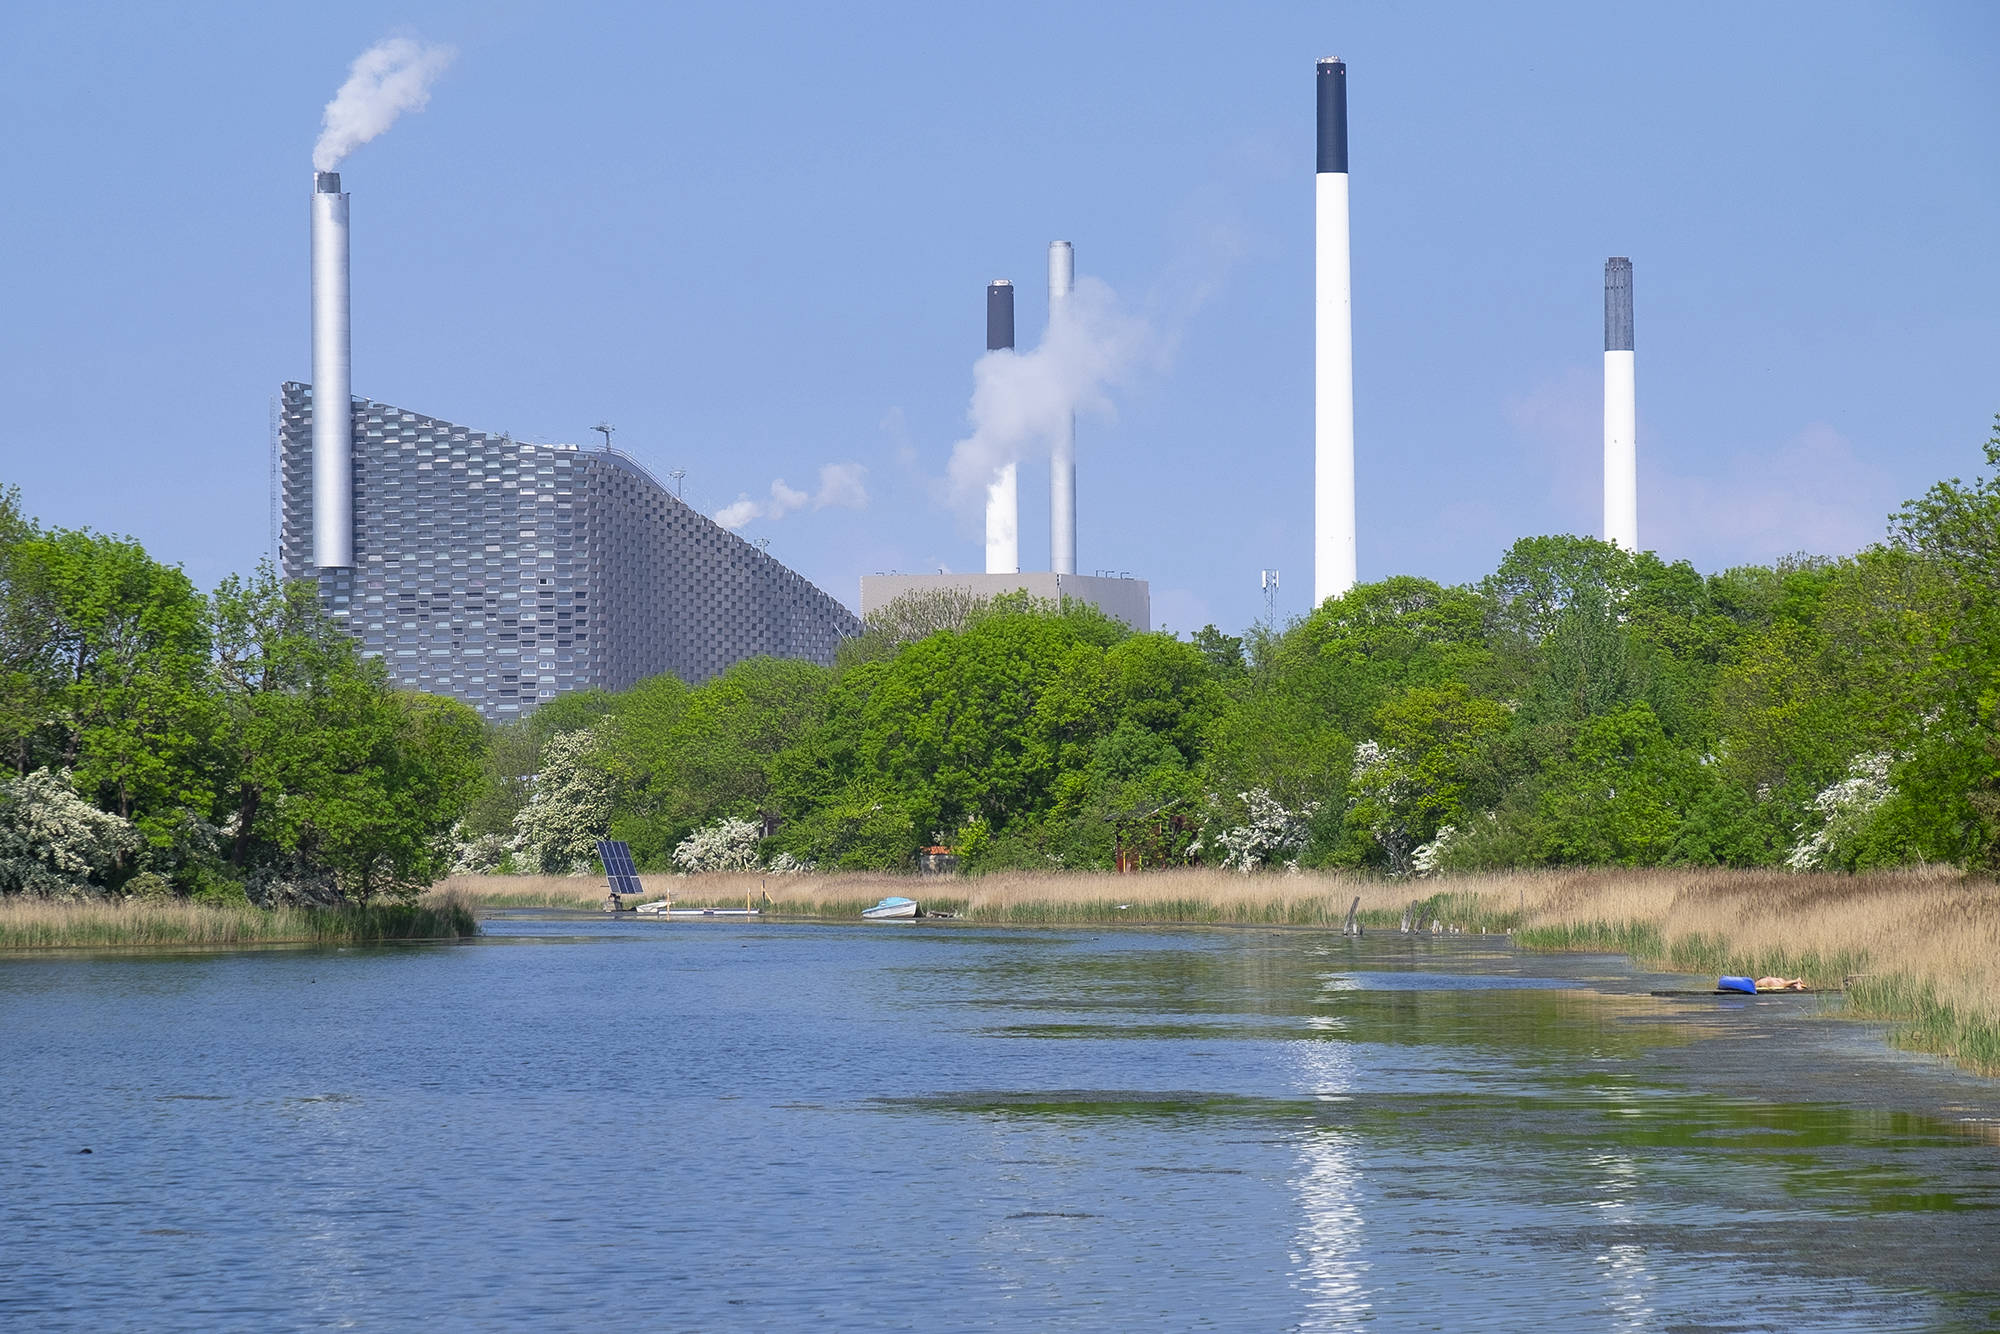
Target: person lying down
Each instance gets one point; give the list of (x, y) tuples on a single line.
[(1749, 985)]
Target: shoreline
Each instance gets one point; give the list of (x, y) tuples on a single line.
[(35, 927), (1919, 949)]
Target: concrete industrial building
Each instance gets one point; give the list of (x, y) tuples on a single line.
[(504, 573), (1129, 600)]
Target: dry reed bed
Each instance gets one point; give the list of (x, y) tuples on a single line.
[(541, 891), (1920, 945), (28, 924), (1173, 896)]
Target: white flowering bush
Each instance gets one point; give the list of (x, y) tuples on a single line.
[(786, 864), (726, 845), (557, 831), (1270, 831), (487, 854), (1843, 811), (1379, 799), (53, 843), (1429, 857)]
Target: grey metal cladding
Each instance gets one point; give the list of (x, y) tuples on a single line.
[(503, 573)]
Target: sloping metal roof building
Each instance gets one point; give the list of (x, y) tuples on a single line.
[(504, 573)]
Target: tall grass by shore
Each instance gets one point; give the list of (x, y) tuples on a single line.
[(1921, 947), (582, 892), (29, 924), (1918, 946)]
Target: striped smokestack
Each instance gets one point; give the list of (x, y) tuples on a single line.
[(1621, 409), (1003, 494), (1333, 348), (332, 386)]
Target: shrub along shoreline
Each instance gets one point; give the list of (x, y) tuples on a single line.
[(40, 924), (1920, 948)]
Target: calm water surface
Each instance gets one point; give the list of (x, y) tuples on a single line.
[(575, 1123)]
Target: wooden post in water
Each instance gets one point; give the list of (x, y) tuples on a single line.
[(1352, 928)]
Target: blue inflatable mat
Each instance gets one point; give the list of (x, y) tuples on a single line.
[(1736, 984)]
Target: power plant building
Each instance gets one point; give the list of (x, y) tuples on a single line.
[(504, 573)]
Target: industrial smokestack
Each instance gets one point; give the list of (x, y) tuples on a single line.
[(333, 415), (1062, 454), (1003, 494), (1333, 349), (1621, 410)]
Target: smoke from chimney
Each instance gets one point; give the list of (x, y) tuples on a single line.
[(1025, 402), (389, 78)]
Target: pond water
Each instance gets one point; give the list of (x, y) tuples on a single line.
[(579, 1123)]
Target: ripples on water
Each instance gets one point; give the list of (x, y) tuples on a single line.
[(584, 1124)]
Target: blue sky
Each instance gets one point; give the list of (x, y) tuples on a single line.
[(757, 237)]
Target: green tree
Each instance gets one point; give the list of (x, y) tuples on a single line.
[(1355, 651), (1223, 653), (1587, 664), (686, 757), (125, 707), (29, 666), (1432, 743), (1953, 773), (335, 784), (1619, 799)]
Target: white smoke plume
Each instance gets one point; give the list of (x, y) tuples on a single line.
[(840, 486), (389, 78), (1020, 400)]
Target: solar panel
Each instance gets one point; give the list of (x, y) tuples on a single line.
[(619, 870)]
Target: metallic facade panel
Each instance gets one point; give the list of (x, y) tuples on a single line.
[(504, 573)]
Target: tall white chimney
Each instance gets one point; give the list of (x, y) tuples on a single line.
[(1333, 349), (332, 386), (1062, 454), (1003, 493), (1621, 410)]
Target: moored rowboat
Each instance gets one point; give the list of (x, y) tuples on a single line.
[(892, 907)]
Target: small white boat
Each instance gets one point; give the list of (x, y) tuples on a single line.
[(890, 908)]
